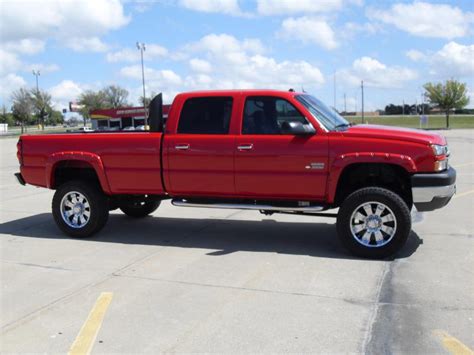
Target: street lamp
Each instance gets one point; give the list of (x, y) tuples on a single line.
[(141, 47), (36, 73)]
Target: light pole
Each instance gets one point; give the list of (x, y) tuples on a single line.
[(141, 47), (37, 73)]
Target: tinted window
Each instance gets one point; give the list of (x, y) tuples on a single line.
[(265, 115), (206, 115)]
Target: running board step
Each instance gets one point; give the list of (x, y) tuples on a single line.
[(237, 206)]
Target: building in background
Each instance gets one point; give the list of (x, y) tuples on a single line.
[(121, 118)]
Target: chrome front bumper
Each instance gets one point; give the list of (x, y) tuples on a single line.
[(429, 193), (433, 191)]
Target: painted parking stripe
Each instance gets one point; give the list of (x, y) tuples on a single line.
[(460, 165), (464, 194), (86, 337), (453, 345)]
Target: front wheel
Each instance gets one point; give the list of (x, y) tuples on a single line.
[(373, 222), (80, 209), (140, 208)]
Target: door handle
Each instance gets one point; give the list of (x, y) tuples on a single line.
[(182, 147), (245, 147)]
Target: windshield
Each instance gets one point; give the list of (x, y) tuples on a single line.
[(328, 117)]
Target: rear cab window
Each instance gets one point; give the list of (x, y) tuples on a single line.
[(266, 114), (206, 115)]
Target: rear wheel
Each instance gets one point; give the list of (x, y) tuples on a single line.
[(373, 222), (140, 208), (80, 209)]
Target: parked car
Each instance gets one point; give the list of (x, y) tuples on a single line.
[(263, 150)]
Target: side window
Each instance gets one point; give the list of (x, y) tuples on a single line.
[(206, 115), (265, 115)]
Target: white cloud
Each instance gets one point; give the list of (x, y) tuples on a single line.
[(426, 20), (164, 77), (219, 44), (290, 7), (376, 74), (453, 60), (152, 51), (64, 92), (235, 64), (200, 66), (308, 30), (230, 7), (25, 46), (42, 68), (84, 44), (351, 29), (415, 55), (9, 62), (10, 83), (38, 20)]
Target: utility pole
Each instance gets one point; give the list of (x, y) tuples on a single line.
[(345, 106), (141, 47), (362, 91), (37, 73), (423, 103), (403, 108)]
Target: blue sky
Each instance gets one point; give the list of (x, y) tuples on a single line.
[(394, 47)]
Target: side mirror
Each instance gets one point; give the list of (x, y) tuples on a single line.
[(297, 128)]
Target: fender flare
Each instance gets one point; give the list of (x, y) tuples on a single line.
[(92, 159), (343, 161)]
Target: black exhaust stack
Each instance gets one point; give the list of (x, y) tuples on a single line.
[(155, 116)]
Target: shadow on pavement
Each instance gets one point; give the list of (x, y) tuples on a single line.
[(221, 236)]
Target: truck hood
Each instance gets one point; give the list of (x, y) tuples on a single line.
[(395, 133)]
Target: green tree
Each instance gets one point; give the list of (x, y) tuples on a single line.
[(22, 107), (115, 96), (91, 100), (146, 102), (448, 96), (41, 105), (6, 117), (54, 118)]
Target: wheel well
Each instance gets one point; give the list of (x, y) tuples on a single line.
[(389, 176), (68, 170)]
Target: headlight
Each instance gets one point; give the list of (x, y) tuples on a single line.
[(440, 149)]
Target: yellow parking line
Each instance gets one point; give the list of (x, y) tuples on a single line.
[(86, 337), (453, 345), (465, 164), (464, 193)]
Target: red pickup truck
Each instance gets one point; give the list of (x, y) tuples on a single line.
[(265, 150)]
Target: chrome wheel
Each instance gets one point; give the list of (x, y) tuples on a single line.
[(373, 224), (75, 209)]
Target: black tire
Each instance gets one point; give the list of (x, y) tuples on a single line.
[(393, 241), (98, 208), (139, 209)]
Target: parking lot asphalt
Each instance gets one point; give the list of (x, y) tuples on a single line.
[(207, 280)]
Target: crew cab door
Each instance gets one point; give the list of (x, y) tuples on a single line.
[(270, 164), (199, 150)]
